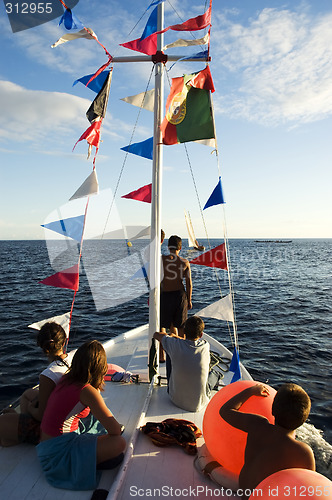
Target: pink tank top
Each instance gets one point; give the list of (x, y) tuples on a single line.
[(64, 410)]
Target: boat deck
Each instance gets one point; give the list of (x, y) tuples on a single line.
[(146, 467), (169, 471)]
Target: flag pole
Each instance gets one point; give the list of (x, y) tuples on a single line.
[(155, 261)]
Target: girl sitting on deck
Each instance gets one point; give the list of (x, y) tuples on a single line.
[(69, 459), (24, 427)]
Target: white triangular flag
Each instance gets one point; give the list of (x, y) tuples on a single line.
[(145, 232), (90, 186), (90, 35), (186, 43), (222, 309), (207, 142), (143, 100), (62, 320)]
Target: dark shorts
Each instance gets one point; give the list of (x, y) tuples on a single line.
[(173, 309), (28, 429)]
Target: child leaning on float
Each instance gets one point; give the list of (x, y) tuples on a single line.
[(250, 435)]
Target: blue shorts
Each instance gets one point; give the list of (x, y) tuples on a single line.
[(69, 461)]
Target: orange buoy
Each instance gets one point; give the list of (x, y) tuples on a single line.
[(293, 484)]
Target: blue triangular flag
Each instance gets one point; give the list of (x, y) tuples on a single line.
[(142, 272), (96, 84), (203, 54), (71, 227), (151, 25), (235, 366), (70, 21), (144, 148), (217, 197)]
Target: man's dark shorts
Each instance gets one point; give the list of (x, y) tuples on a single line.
[(173, 309)]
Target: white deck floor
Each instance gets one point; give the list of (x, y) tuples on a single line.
[(157, 472)]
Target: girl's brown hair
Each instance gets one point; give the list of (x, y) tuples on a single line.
[(51, 338), (89, 365)]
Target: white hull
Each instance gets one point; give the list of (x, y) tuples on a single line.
[(145, 467)]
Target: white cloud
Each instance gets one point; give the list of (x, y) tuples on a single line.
[(280, 67), (33, 114)]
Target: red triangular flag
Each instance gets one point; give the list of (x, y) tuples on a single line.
[(195, 23), (213, 258), (147, 46), (69, 278), (192, 24), (141, 194), (92, 134)]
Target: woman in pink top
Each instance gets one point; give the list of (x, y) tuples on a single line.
[(69, 459)]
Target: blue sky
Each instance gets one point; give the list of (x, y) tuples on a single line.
[(271, 65)]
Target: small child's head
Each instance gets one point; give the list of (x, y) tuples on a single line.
[(193, 328), (89, 365), (291, 406), (174, 242), (51, 338)]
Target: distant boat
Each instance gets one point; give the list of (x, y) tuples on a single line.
[(273, 241), (192, 242)]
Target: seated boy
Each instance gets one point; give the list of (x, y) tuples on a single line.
[(269, 447), (190, 360)]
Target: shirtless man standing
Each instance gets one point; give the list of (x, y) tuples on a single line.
[(175, 299), (271, 448)]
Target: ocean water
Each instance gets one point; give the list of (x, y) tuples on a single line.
[(282, 296)]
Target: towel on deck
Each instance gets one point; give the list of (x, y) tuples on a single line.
[(69, 461)]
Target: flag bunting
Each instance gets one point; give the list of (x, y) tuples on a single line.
[(199, 55), (187, 43), (213, 258), (143, 100), (95, 115), (92, 135), (147, 44), (192, 24), (68, 278), (86, 33), (141, 194), (99, 104), (217, 196), (96, 84), (89, 187), (235, 366), (144, 148), (70, 21), (222, 310), (62, 320), (71, 227)]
